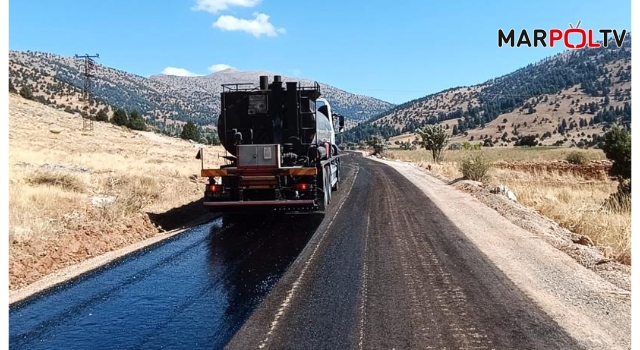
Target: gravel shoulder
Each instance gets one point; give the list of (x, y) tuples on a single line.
[(587, 298)]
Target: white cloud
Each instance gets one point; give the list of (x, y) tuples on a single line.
[(214, 6), (219, 67), (258, 26), (179, 72)]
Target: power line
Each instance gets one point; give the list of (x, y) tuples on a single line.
[(89, 66)]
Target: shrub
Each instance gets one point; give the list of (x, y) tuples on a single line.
[(454, 147), (617, 148), (620, 201), (25, 92), (102, 116), (58, 179), (136, 121), (378, 144), (120, 117), (527, 141), (576, 157), (475, 167)]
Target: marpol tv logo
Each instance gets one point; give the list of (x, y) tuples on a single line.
[(571, 38)]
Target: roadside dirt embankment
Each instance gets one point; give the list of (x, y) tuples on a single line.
[(76, 194)]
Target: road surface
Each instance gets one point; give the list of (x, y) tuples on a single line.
[(389, 271), (385, 268), (192, 291)]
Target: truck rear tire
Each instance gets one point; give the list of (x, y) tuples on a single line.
[(323, 194)]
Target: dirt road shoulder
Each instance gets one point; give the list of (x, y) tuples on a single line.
[(593, 310)]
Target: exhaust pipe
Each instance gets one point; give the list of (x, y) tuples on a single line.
[(264, 82), (277, 82)]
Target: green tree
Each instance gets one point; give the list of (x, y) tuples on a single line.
[(120, 117), (212, 138), (434, 139), (378, 144), (617, 148), (102, 116), (190, 132), (25, 92), (12, 89), (529, 141), (136, 121)]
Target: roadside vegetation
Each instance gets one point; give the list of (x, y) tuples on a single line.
[(570, 186)]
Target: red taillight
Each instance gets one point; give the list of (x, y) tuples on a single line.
[(302, 187), (215, 188)]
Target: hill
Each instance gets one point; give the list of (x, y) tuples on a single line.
[(563, 100), (75, 194), (58, 81), (355, 107)]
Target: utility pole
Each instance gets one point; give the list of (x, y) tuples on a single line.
[(89, 66)]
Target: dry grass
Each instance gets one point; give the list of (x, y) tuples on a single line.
[(574, 202), (54, 175), (38, 211), (96, 184), (64, 181), (495, 154)]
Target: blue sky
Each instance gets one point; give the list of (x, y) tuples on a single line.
[(395, 51)]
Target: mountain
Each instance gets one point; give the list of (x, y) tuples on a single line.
[(58, 81), (563, 100), (352, 106)]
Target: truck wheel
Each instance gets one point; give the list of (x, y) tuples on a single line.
[(324, 201)]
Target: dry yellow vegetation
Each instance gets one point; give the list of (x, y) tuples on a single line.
[(75, 194), (573, 199)]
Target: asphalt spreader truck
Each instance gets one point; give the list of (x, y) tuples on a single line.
[(281, 148)]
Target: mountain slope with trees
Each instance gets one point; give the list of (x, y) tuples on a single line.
[(162, 99), (575, 92)]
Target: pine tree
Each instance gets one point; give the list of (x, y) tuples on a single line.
[(102, 116), (190, 132), (136, 121), (12, 89), (25, 92), (120, 117)]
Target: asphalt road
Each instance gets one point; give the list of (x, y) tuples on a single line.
[(383, 269), (388, 270), (193, 291)]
